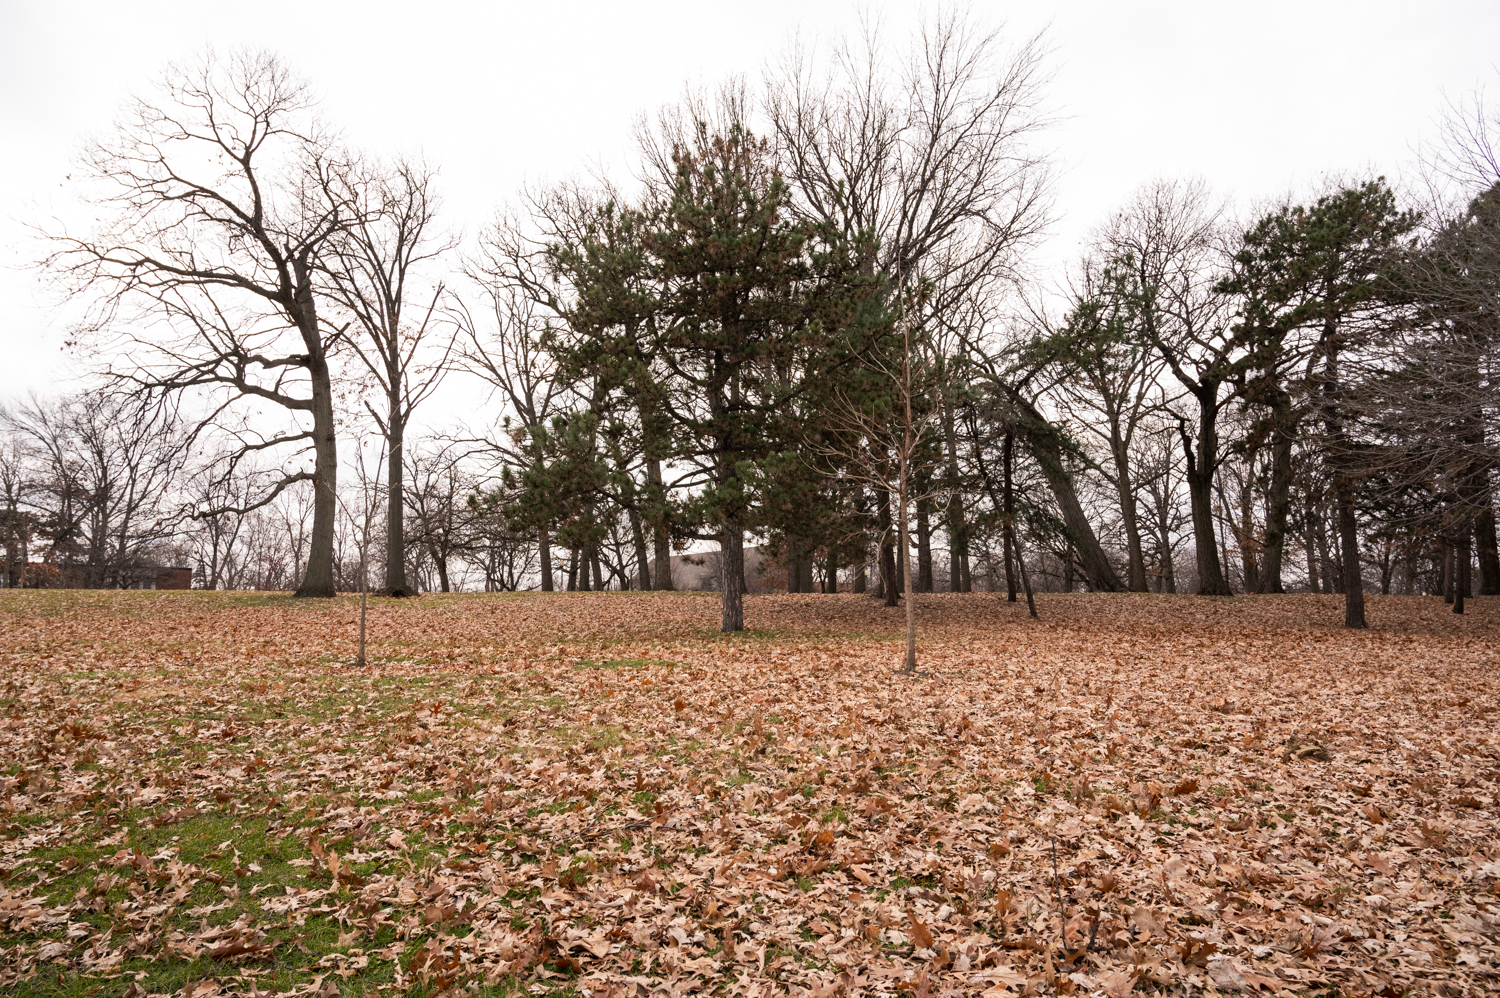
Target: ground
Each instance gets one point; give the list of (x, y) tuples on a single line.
[(598, 794)]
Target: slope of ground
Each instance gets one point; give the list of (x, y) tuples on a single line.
[(597, 794)]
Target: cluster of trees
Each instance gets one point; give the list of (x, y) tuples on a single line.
[(809, 321)]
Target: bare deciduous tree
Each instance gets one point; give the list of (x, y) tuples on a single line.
[(215, 218), (373, 271)]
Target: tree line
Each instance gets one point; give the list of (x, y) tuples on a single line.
[(812, 319)]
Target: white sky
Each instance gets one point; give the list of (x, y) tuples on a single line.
[(1255, 97)]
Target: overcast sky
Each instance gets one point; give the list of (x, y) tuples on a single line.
[(1257, 98)]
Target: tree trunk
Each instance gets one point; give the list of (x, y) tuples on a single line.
[(911, 602), (572, 570), (831, 579), (544, 552), (318, 580), (924, 544), (1008, 517), (1043, 440), (888, 587), (1354, 584), (1309, 544), (440, 562), (1200, 476), (395, 536), (638, 539), (1278, 503), (1489, 553), (798, 567), (1465, 569), (958, 536), (1125, 489), (732, 576)]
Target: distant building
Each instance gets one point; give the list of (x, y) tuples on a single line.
[(174, 578)]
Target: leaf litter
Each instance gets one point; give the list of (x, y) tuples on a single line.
[(1156, 794)]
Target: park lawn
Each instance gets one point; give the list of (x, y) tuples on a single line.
[(598, 794)]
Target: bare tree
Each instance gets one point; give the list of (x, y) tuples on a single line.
[(17, 520), (108, 469), (215, 217), (509, 353), (437, 507), (935, 156), (1166, 240), (372, 273)]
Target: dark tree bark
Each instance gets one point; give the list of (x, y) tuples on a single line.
[(1202, 462), (1489, 553), (1009, 517), (888, 588), (1278, 504), (544, 553), (732, 568)]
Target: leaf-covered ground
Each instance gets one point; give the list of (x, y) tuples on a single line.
[(597, 794)]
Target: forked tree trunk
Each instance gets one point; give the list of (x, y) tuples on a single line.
[(1201, 463)]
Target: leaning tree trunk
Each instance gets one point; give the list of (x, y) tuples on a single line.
[(1044, 441), (318, 580)]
